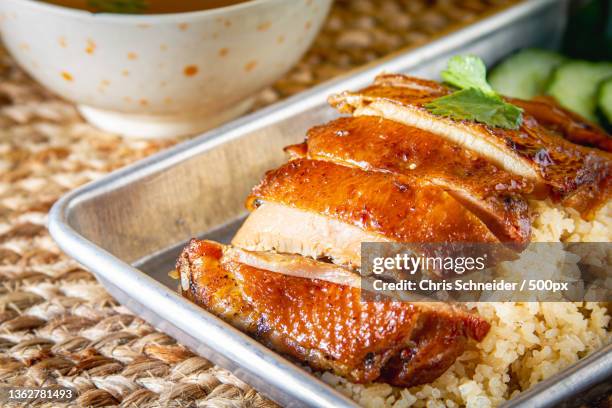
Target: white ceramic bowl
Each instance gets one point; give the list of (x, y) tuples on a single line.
[(160, 75)]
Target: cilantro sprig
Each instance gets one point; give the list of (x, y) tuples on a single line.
[(473, 104), (475, 100)]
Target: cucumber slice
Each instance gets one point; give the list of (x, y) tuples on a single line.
[(525, 74), (574, 85), (604, 101)]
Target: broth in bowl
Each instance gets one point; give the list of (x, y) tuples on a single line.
[(143, 6)]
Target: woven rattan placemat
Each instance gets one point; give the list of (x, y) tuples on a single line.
[(57, 324)]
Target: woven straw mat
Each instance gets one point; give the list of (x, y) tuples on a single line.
[(58, 326)]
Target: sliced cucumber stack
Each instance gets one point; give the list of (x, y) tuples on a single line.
[(604, 101), (526, 73), (575, 83)]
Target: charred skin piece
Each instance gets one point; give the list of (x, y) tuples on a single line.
[(574, 175), (326, 325), (570, 125), (417, 156)]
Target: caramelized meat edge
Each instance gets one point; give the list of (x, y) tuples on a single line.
[(417, 156), (568, 124), (325, 325), (575, 175)]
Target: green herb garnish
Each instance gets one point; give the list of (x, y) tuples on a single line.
[(466, 72), (476, 100), (119, 6), (473, 104)]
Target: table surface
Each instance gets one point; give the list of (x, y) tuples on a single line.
[(57, 324)]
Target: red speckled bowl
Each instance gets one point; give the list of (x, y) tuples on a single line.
[(160, 75)]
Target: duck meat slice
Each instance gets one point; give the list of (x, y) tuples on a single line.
[(377, 144), (288, 230), (294, 265), (333, 202), (577, 176), (328, 326)]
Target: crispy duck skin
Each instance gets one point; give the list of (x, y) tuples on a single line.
[(575, 175), (570, 125), (322, 209), (374, 202), (377, 144), (326, 325)]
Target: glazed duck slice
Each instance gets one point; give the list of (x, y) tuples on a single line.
[(326, 325), (568, 124), (575, 175), (376, 144), (325, 210)]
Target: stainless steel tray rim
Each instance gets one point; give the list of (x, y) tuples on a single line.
[(308, 388)]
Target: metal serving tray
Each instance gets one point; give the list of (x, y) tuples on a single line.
[(129, 227)]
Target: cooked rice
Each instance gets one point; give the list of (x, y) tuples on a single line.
[(528, 342), (554, 223)]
